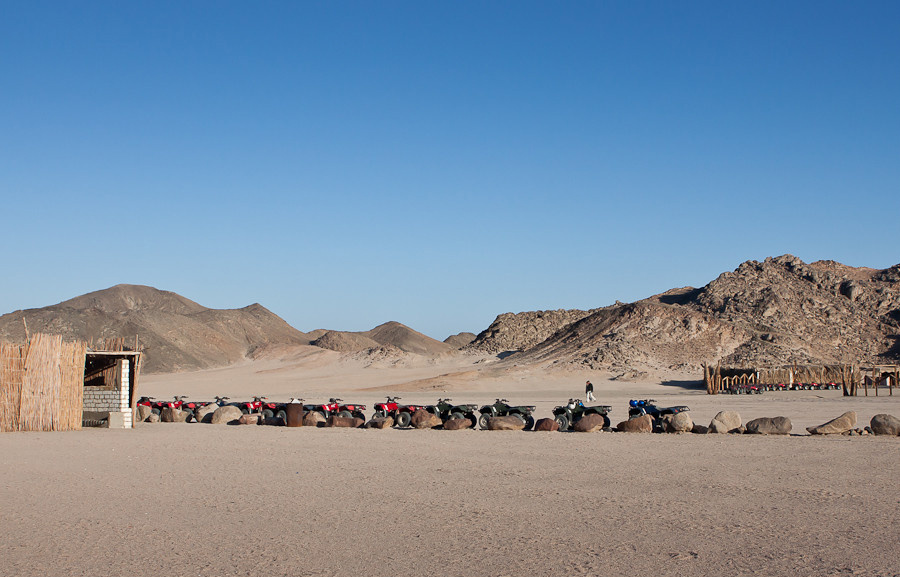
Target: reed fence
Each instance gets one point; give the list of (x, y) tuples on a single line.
[(717, 378), (41, 384)]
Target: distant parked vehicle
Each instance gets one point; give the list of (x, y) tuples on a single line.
[(502, 408), (337, 408), (251, 407), (573, 411)]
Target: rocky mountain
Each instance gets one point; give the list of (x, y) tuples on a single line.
[(176, 333), (778, 311)]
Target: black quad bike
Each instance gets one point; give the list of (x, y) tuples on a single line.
[(572, 412), (446, 410), (647, 407), (502, 408)]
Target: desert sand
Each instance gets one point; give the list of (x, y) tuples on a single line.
[(194, 499)]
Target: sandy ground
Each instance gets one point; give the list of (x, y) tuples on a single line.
[(191, 499)]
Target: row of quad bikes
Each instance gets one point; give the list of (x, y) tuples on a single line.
[(754, 389), (445, 409)]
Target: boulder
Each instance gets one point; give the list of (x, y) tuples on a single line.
[(422, 419), (226, 415), (380, 423), (171, 415), (680, 423), (641, 424), (141, 412), (204, 414), (546, 425), (589, 424), (313, 419), (153, 418), (769, 426), (293, 415), (345, 422), (509, 423), (457, 424), (725, 422), (251, 419), (699, 429), (842, 424), (884, 424)]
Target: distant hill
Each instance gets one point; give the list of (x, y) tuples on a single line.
[(177, 334), (391, 334), (778, 311)]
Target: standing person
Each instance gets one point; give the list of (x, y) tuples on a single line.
[(589, 391)]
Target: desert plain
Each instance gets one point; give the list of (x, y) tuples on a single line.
[(216, 500)]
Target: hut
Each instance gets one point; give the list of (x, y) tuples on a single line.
[(51, 385)]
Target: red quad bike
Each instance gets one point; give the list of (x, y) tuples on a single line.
[(402, 414), (325, 409), (337, 408), (192, 406), (254, 406), (157, 406)]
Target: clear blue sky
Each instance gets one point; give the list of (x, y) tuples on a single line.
[(439, 163)]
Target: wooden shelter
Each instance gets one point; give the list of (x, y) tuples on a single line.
[(51, 385)]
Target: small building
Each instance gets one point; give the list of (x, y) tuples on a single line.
[(51, 385)]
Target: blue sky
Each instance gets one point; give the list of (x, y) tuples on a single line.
[(439, 163)]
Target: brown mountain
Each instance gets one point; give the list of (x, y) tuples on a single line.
[(778, 311), (177, 334), (390, 334)]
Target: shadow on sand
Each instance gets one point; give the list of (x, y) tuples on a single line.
[(688, 385)]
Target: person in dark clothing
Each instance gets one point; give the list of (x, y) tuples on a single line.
[(589, 391)]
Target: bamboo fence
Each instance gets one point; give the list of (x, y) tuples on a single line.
[(41, 385)]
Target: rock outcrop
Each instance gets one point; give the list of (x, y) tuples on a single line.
[(836, 426), (641, 424), (769, 426)]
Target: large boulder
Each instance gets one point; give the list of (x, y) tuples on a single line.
[(884, 424), (172, 415), (680, 423), (457, 424), (293, 415), (699, 429), (509, 423), (153, 418), (422, 419), (380, 423), (251, 419), (725, 422), (769, 426), (546, 425), (227, 415), (641, 424), (204, 414), (345, 422), (589, 424), (313, 419), (141, 412), (836, 426)]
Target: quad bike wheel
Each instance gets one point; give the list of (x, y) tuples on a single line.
[(529, 422), (473, 419), (268, 414), (403, 419), (483, 420), (378, 415), (345, 414), (245, 411), (562, 421), (457, 415), (282, 414)]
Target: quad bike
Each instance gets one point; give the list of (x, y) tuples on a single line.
[(156, 407), (254, 406), (446, 410), (573, 411), (337, 408), (647, 407), (502, 408), (402, 414), (192, 406)]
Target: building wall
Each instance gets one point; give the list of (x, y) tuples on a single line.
[(117, 400)]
